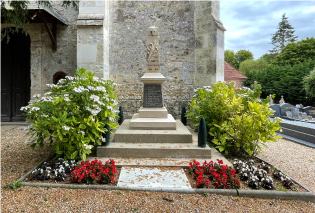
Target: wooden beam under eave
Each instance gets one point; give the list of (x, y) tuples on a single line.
[(51, 34)]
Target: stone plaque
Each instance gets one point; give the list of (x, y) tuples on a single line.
[(285, 107), (276, 109), (152, 96), (289, 114), (310, 111)]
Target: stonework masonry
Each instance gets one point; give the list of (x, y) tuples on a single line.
[(109, 38)]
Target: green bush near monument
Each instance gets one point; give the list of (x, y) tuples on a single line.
[(237, 120), (73, 114)]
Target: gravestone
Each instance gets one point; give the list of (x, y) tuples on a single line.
[(285, 107), (281, 100), (295, 112), (276, 109), (310, 110), (289, 114), (270, 100), (300, 116), (304, 115)]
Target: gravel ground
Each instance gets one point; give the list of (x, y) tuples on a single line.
[(17, 158), (296, 160)]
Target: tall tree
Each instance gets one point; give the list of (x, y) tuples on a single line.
[(295, 53), (241, 56), (17, 16), (235, 59), (250, 65), (229, 57), (283, 36)]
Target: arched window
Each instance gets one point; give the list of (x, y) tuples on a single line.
[(57, 76)]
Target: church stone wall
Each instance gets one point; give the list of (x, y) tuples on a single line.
[(45, 62), (129, 21)]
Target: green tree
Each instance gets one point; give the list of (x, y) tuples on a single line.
[(229, 57), (284, 80), (17, 16), (267, 57), (295, 53), (235, 59), (309, 83), (283, 36), (250, 65)]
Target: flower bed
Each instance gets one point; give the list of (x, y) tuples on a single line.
[(70, 172), (251, 174)]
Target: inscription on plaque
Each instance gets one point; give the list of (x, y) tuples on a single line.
[(152, 96)]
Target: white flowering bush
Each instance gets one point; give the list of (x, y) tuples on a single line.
[(73, 114), (237, 120)]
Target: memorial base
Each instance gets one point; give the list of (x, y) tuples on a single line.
[(168, 123)]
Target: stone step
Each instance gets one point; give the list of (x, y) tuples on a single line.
[(127, 135), (154, 150), (308, 130), (299, 135)]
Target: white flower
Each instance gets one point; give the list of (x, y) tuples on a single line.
[(93, 119), (95, 78), (94, 97), (24, 108), (91, 88), (66, 99), (69, 78), (114, 84), (66, 128), (61, 81), (77, 89), (102, 139), (66, 95), (36, 96), (35, 108), (81, 132), (101, 88), (47, 93), (88, 146), (48, 98), (51, 85)]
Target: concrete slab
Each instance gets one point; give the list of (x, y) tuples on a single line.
[(180, 135), (160, 162), (152, 123), (153, 177), (145, 112), (154, 150)]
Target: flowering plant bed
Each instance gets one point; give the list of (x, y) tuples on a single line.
[(70, 172), (249, 175)]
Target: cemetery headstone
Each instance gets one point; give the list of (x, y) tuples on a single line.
[(310, 110), (285, 107), (270, 100), (304, 115), (300, 116), (281, 100), (276, 109), (295, 112), (289, 114)]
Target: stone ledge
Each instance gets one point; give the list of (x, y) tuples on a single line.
[(153, 123), (90, 23)]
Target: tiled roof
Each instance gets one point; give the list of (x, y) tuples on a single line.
[(230, 73)]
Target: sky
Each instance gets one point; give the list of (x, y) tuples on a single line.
[(250, 24)]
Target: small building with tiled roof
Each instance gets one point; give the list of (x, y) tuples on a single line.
[(231, 74)]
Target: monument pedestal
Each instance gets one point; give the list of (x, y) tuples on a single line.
[(152, 132)]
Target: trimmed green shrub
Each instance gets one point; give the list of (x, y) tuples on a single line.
[(73, 114), (309, 83), (284, 80), (237, 120)]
